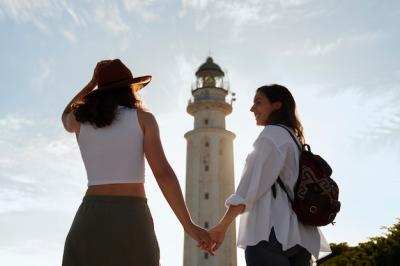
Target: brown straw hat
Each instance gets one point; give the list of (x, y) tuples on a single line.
[(114, 74)]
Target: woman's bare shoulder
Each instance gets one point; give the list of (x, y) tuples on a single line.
[(146, 119), (145, 115)]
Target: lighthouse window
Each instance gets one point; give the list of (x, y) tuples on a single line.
[(206, 255), (206, 196), (207, 144), (206, 167), (206, 121), (206, 225)]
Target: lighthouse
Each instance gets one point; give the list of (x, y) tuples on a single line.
[(209, 163)]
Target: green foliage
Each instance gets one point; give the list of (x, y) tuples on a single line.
[(378, 251)]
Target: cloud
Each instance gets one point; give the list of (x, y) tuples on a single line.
[(12, 200), (397, 73), (174, 87), (317, 49), (184, 70), (78, 20), (62, 13), (37, 166), (369, 120), (43, 74), (383, 125), (12, 122), (109, 16), (242, 12), (49, 15), (195, 4), (41, 252), (37, 11), (366, 38), (46, 15), (69, 35), (31, 11), (60, 147), (141, 8), (6, 162)]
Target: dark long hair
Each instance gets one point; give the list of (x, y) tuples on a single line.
[(100, 108), (286, 115)]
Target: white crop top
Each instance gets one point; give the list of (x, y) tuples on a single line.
[(113, 154)]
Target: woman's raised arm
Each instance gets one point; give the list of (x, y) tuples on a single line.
[(67, 118)]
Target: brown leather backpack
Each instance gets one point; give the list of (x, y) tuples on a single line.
[(315, 193)]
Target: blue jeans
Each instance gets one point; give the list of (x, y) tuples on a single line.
[(270, 252)]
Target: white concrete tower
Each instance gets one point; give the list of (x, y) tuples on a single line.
[(209, 163)]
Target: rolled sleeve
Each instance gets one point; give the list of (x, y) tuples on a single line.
[(261, 170), (234, 200)]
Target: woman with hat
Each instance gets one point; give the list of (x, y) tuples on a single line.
[(113, 225)]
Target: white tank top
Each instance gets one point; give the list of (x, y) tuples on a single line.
[(113, 154)]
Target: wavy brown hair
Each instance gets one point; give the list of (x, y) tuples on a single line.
[(100, 108), (286, 115)]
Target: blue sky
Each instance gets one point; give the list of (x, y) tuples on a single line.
[(339, 58)]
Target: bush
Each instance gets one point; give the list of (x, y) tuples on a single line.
[(378, 251)]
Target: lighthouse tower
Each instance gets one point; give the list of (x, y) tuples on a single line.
[(209, 163)]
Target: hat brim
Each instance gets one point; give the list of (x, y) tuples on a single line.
[(140, 82), (136, 84)]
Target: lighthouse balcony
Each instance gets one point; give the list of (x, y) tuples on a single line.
[(197, 105)]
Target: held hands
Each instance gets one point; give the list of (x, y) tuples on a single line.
[(217, 235), (213, 240), (201, 236)]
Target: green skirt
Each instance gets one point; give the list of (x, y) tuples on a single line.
[(112, 231)]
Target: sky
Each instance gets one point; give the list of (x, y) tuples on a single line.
[(339, 58)]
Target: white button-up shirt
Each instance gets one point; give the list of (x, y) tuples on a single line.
[(275, 154)]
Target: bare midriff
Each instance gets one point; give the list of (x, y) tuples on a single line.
[(134, 190)]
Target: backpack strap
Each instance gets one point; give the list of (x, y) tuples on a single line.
[(279, 180), (293, 137)]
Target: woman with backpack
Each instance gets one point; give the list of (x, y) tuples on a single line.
[(269, 230), (113, 225)]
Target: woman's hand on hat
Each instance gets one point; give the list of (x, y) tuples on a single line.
[(99, 65)]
